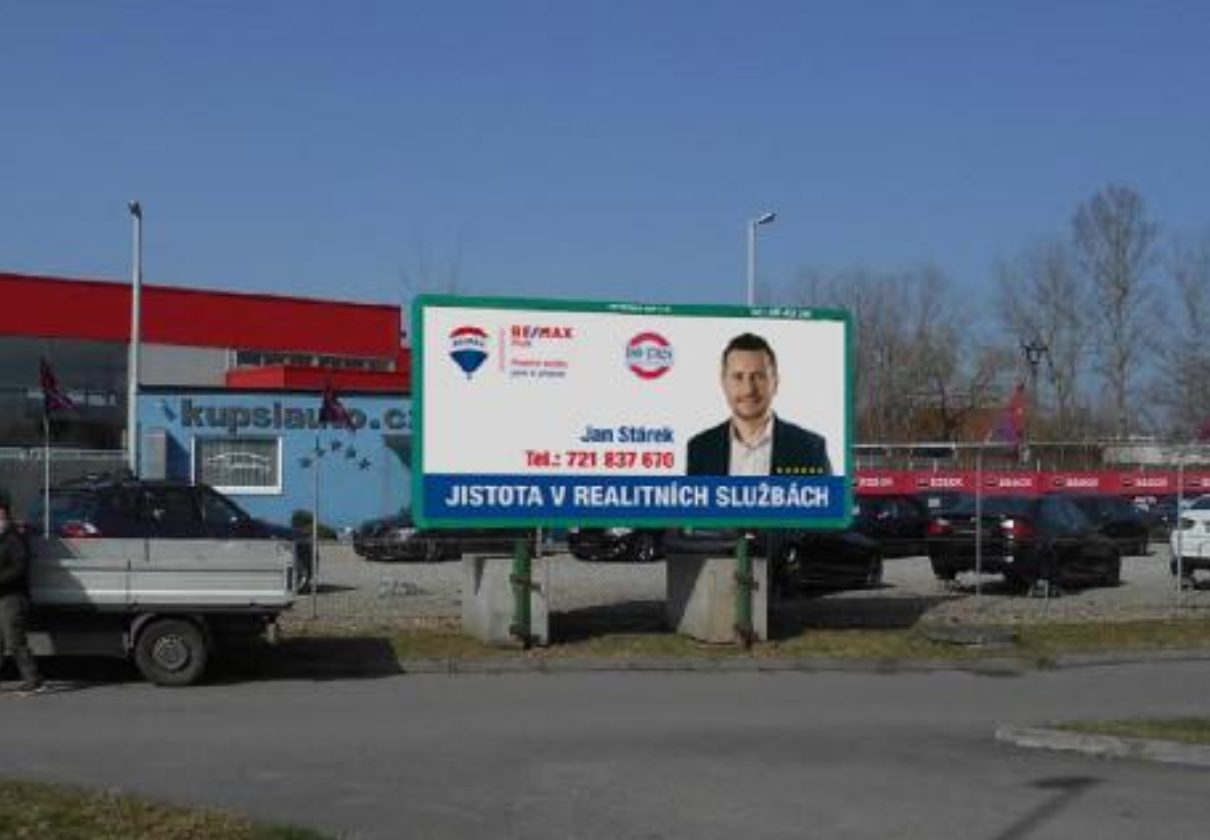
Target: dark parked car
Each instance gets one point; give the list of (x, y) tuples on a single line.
[(1159, 511), (105, 506), (1027, 539), (396, 538), (828, 560), (1118, 519), (625, 545), (938, 502), (898, 523), (800, 561)]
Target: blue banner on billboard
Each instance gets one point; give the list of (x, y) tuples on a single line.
[(633, 499)]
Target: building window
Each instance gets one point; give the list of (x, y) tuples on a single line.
[(238, 464), (260, 358)]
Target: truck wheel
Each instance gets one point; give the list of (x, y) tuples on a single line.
[(171, 652)]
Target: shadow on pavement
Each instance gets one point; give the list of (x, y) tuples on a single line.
[(790, 618), (626, 617), (1067, 789), (325, 659), (75, 673)]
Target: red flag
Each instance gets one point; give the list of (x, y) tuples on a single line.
[(332, 410), (53, 398), (1203, 434), (1010, 428)]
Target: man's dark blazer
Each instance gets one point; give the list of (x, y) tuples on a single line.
[(795, 451)]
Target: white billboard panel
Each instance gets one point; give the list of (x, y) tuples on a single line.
[(560, 412)]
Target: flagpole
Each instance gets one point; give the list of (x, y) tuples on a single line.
[(133, 360), (45, 474), (315, 531)]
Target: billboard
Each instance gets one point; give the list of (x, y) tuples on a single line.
[(546, 412)]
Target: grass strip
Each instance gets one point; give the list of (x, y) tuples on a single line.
[(1039, 643), (35, 811), (1047, 641), (1180, 730)]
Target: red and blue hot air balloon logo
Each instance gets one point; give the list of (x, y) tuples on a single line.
[(468, 349), (649, 355)]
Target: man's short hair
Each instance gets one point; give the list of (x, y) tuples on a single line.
[(751, 342)]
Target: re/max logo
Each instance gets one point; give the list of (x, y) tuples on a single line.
[(529, 332)]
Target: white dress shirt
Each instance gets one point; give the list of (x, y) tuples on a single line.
[(755, 458)]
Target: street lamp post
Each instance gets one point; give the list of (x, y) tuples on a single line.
[(132, 372), (744, 579), (763, 219), (1035, 351)]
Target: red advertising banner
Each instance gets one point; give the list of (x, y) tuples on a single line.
[(1153, 483)]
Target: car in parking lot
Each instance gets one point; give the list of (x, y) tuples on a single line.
[(812, 561), (104, 506), (800, 562), (624, 545), (1025, 538), (396, 538), (937, 502), (1118, 519), (1160, 512), (897, 522), (1190, 540)]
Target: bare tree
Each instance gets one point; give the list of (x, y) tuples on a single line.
[(921, 370), (427, 274), (1044, 301), (882, 393), (1115, 245), (1183, 383)]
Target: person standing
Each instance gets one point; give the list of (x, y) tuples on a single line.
[(14, 602)]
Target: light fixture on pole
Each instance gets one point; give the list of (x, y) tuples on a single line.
[(763, 219), (132, 370)]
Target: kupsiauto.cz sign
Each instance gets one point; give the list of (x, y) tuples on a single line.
[(276, 416)]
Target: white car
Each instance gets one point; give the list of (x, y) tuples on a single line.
[(1190, 539)]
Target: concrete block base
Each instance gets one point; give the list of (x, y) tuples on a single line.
[(701, 597), (487, 599)]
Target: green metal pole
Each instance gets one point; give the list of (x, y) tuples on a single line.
[(522, 581), (745, 582)]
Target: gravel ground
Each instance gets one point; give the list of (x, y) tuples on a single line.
[(356, 593)]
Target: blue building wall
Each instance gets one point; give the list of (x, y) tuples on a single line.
[(363, 473)]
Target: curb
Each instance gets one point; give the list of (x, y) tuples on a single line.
[(991, 666), (1006, 666), (1132, 657), (984, 667), (1107, 746)]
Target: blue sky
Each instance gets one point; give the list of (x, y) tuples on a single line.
[(610, 150)]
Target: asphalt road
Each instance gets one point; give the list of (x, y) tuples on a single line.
[(612, 756)]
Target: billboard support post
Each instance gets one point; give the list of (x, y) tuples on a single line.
[(745, 582), (522, 581)]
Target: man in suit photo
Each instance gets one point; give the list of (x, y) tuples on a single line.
[(754, 440)]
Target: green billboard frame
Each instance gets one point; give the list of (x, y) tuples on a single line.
[(788, 313)]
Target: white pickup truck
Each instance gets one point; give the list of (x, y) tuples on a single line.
[(137, 570), (171, 605)]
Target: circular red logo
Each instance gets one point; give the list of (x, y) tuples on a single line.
[(649, 355)]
